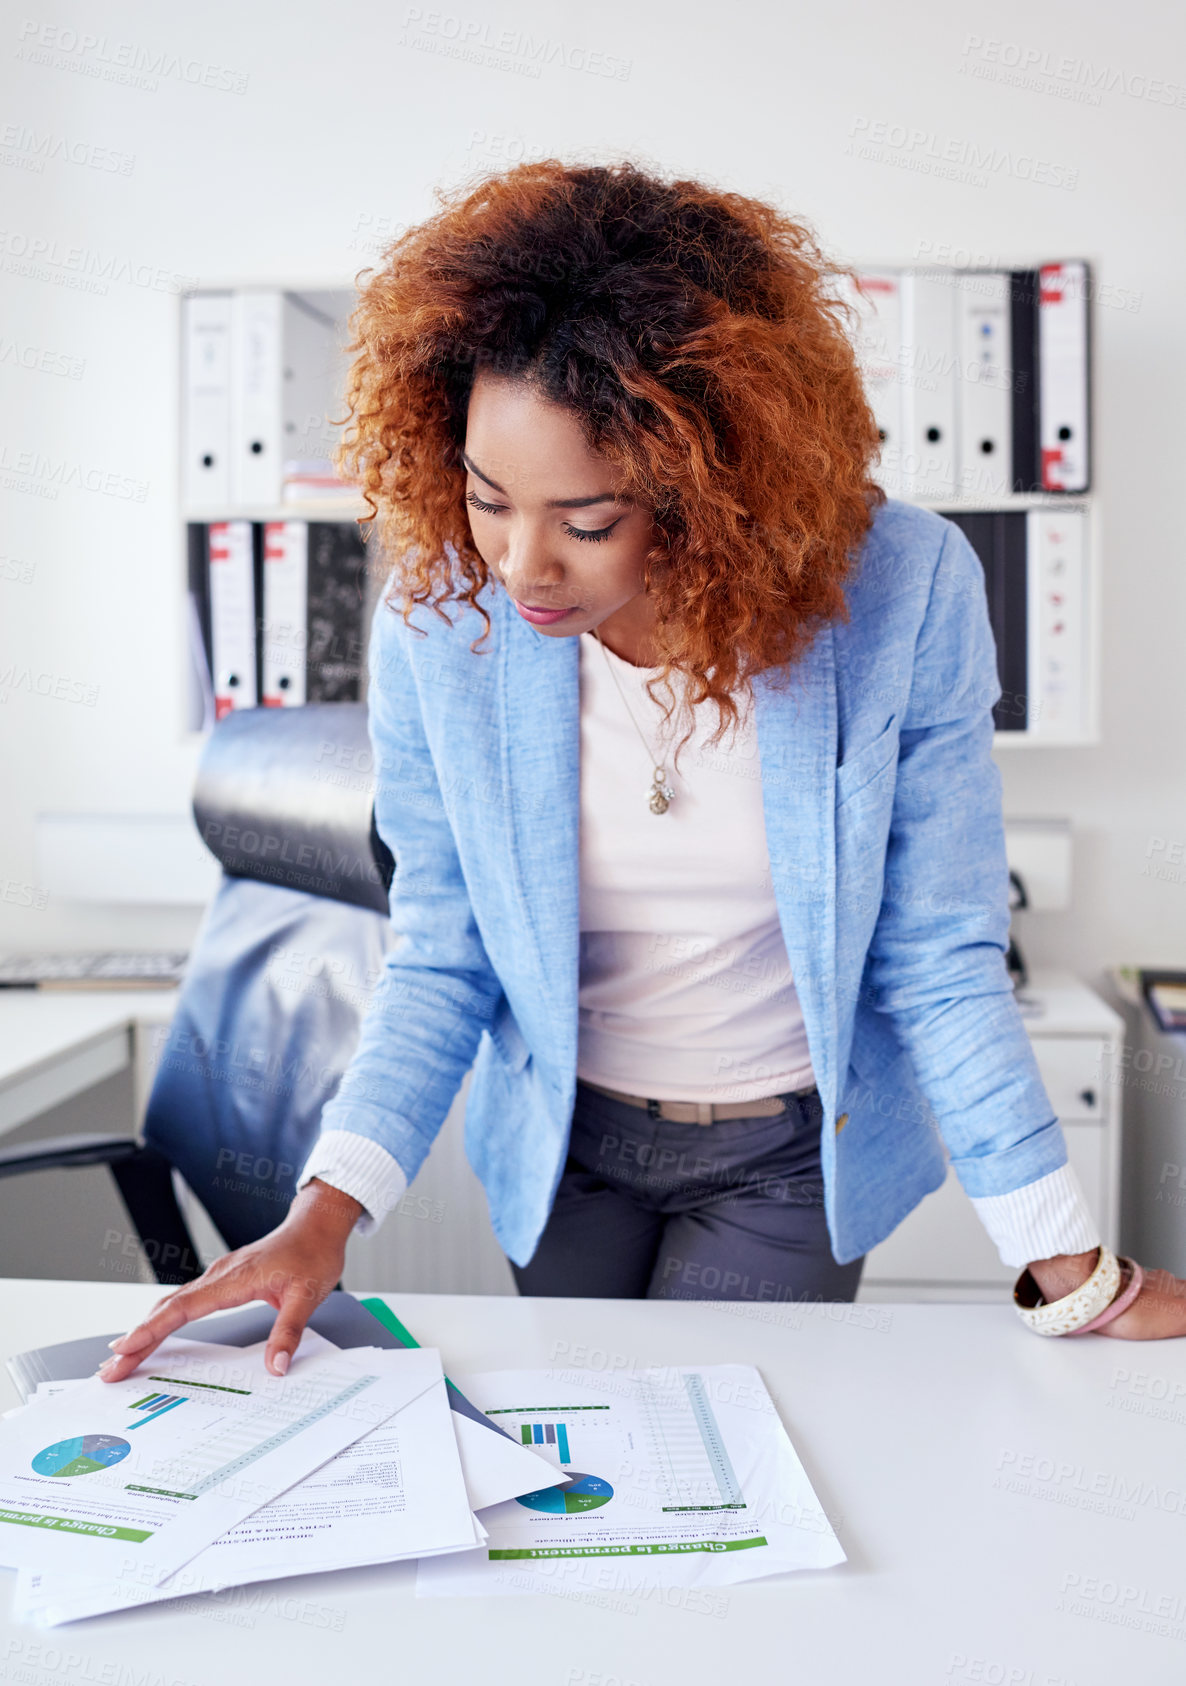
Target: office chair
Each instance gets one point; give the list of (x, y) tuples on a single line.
[(269, 1009)]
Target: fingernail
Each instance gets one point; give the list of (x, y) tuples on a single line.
[(281, 1362), (115, 1345), (107, 1364)]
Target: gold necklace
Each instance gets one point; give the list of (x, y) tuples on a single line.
[(662, 793)]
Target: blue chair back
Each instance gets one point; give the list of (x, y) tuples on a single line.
[(269, 1011)]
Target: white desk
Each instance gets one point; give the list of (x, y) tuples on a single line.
[(55, 1044), (906, 1417)]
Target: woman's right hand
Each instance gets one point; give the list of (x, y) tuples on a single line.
[(293, 1269)]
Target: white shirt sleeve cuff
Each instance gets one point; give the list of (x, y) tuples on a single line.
[(1044, 1218), (360, 1168)]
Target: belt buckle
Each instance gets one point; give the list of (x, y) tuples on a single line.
[(705, 1111)]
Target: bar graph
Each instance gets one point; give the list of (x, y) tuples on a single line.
[(547, 1434), (156, 1404)]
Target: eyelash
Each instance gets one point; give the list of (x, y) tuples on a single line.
[(590, 537), (585, 534)]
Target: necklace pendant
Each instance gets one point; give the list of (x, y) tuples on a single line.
[(661, 792)]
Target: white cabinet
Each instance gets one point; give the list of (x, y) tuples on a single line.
[(941, 1251)]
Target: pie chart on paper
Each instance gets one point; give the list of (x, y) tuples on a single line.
[(585, 1492), (82, 1455)]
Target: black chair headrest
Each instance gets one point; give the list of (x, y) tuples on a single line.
[(286, 795)]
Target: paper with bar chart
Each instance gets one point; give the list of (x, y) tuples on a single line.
[(396, 1492), (680, 1476), (135, 1478)]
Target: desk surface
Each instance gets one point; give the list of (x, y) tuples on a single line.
[(1014, 1510), (56, 1043), (1065, 1006)]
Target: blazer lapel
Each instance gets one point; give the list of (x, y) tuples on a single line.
[(539, 685), (797, 741)]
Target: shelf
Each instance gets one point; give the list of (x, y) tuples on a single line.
[(1082, 713), (347, 508), (1014, 501)]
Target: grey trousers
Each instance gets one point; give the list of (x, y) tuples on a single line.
[(647, 1209)]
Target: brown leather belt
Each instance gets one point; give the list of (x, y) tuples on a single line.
[(698, 1112)]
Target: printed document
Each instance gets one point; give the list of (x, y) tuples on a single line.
[(678, 1476), (397, 1492), (152, 1470)]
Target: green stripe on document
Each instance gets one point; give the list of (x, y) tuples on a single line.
[(524, 1410), (664, 1547), (66, 1524), (210, 1387)]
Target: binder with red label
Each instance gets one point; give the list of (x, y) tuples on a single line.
[(231, 554), (285, 630), (1063, 356)]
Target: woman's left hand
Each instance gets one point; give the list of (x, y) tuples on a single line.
[(1158, 1311), (1157, 1314)]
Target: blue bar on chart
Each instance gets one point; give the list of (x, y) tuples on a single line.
[(156, 1404), (546, 1434)]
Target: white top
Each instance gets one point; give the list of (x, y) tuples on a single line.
[(685, 988), (686, 991)]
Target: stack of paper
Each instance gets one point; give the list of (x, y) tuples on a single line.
[(202, 1471)]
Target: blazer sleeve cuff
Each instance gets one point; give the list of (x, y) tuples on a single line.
[(360, 1168), (1044, 1218)]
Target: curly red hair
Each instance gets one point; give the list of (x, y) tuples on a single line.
[(696, 335)]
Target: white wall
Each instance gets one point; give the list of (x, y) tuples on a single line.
[(352, 113)]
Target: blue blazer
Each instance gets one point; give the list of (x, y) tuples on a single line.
[(884, 829)]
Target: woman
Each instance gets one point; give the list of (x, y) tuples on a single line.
[(683, 741)]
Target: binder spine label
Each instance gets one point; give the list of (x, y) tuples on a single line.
[(1063, 353), (232, 616), (285, 594)]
